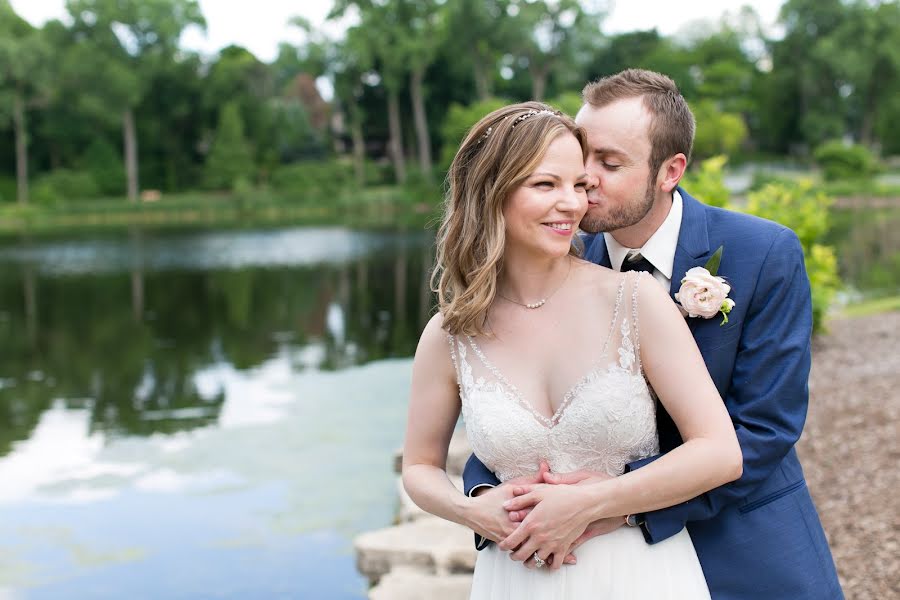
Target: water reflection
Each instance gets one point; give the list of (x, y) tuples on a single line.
[(232, 392), (113, 327)]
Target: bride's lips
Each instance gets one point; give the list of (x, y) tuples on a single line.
[(565, 232)]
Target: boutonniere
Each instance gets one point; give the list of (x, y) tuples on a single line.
[(702, 294)]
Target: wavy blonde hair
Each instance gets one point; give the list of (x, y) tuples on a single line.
[(495, 158)]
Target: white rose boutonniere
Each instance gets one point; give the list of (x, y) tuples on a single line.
[(703, 294)]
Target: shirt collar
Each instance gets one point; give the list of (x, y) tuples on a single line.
[(659, 249)]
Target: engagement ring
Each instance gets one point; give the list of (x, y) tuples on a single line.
[(538, 561)]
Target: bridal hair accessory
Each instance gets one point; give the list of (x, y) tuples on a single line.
[(532, 113), (702, 294), (518, 120), (538, 561)]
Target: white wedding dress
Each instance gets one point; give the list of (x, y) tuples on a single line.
[(606, 420)]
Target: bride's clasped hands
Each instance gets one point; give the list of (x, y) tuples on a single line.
[(558, 515)]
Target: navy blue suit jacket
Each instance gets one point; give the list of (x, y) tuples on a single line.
[(759, 536)]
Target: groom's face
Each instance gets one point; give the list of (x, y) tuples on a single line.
[(618, 162)]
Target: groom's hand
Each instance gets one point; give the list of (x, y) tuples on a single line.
[(576, 477), (487, 517)]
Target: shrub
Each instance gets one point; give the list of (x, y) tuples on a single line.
[(569, 103), (64, 185), (7, 189), (845, 161), (104, 163), (718, 132), (313, 180), (230, 158), (458, 121), (707, 183)]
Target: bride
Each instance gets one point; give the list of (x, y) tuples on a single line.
[(548, 357)]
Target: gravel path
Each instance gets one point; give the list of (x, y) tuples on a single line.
[(851, 453)]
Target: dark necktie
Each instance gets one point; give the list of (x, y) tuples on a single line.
[(636, 262)]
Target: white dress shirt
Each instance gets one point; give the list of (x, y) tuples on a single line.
[(659, 249)]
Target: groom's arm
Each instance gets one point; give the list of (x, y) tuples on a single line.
[(768, 395), (476, 476)]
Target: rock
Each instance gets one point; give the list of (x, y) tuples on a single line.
[(404, 583), (429, 544)]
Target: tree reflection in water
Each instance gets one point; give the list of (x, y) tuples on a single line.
[(126, 342)]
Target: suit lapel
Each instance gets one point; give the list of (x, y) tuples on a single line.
[(595, 250), (693, 240)]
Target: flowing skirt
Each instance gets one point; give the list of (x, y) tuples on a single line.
[(616, 566)]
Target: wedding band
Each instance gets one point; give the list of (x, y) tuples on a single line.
[(538, 561)]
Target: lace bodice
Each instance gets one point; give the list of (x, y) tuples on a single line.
[(606, 420)]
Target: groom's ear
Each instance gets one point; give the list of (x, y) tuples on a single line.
[(671, 172)]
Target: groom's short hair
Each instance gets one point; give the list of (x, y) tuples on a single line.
[(672, 123)]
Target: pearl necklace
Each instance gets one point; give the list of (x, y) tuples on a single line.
[(542, 301)]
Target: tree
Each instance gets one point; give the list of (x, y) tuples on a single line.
[(25, 79), (119, 44), (806, 105), (865, 50), (238, 76), (381, 29), (352, 59), (548, 36), (478, 31), (230, 161), (424, 32)]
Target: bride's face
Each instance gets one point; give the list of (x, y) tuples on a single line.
[(543, 213)]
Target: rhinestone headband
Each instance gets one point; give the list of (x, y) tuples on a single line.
[(532, 113), (518, 120)]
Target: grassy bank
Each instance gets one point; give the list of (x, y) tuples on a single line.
[(871, 307), (372, 207)]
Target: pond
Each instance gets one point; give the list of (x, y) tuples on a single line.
[(202, 415), (214, 414)]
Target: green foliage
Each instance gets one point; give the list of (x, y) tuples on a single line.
[(707, 182), (312, 181), (805, 210), (718, 132), (824, 282), (63, 185), (845, 161), (7, 189), (569, 103), (229, 158), (105, 165), (459, 120)]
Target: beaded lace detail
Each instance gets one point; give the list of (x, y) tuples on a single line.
[(606, 420)]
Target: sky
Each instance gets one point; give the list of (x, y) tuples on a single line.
[(259, 25)]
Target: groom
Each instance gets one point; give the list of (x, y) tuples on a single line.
[(759, 536)]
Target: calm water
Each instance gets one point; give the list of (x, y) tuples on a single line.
[(213, 415), (201, 415)]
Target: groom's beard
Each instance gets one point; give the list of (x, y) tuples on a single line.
[(625, 214)]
